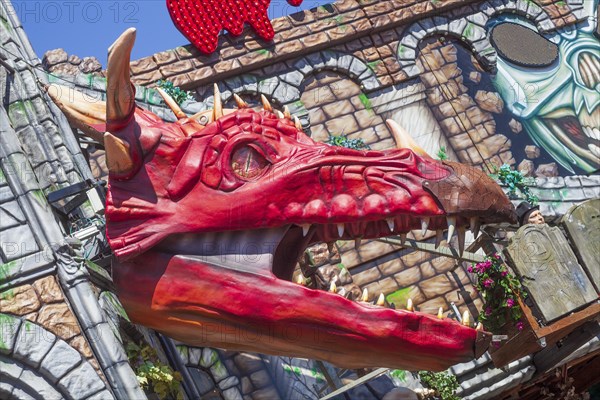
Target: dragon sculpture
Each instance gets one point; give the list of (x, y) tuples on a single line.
[(207, 223)]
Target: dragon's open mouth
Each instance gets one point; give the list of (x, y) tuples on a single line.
[(208, 221)]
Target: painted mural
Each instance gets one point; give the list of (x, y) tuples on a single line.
[(557, 100)]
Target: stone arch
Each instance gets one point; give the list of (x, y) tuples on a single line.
[(525, 8), (284, 89), (337, 105), (34, 362), (469, 29)]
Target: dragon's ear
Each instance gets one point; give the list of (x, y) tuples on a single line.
[(403, 139)]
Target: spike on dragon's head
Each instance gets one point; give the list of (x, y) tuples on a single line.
[(208, 221)]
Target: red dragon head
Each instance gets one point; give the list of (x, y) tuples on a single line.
[(208, 222)]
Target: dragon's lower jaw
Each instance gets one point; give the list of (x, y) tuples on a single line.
[(201, 301)]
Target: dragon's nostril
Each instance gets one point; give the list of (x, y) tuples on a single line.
[(589, 69)]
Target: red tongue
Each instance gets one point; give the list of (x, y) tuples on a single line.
[(206, 305), (201, 21)]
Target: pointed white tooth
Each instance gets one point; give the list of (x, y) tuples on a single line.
[(424, 225), (402, 238), (409, 305), (391, 224), (333, 287), (451, 226), (305, 228), (300, 280), (380, 300), (466, 318), (357, 243), (340, 229), (439, 236), (440, 313), (342, 292), (461, 240), (596, 133), (474, 225), (365, 295)]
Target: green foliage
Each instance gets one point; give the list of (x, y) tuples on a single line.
[(180, 96), (399, 374), (441, 154), (444, 383), (365, 101), (343, 141), (499, 289), (152, 374), (514, 180)]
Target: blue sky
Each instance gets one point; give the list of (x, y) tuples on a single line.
[(87, 28)]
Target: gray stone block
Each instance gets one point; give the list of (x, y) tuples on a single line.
[(285, 93), (61, 359), (32, 145), (478, 19), (315, 60), (9, 330), (6, 194), (370, 84), (18, 113), (33, 344), (18, 242), (103, 395), (123, 381), (81, 382), (229, 382), (107, 355), (268, 86), (232, 394), (357, 68), (184, 353), (294, 78), (592, 180), (195, 355), (10, 214), (19, 172), (219, 371), (209, 357), (39, 385), (554, 182)]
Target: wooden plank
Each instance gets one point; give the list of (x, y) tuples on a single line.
[(562, 328), (359, 381), (553, 277), (582, 224), (549, 357)]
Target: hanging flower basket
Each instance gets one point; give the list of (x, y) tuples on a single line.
[(500, 291)]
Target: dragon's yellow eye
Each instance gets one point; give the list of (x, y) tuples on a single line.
[(248, 163)]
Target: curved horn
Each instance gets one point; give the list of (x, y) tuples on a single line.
[(120, 92), (403, 139), (171, 103), (218, 106)]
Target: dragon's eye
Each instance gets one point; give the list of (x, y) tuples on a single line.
[(523, 46), (248, 163)]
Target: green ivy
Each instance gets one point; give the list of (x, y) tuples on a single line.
[(444, 384), (179, 95), (152, 374), (441, 154), (343, 141), (514, 180), (399, 374)]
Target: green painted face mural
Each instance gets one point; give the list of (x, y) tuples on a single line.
[(557, 99)]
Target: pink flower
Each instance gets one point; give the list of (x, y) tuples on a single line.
[(488, 283), (520, 325), (488, 311), (470, 269), (504, 272), (510, 303)]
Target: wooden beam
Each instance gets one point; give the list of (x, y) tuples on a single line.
[(549, 357), (359, 381)]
